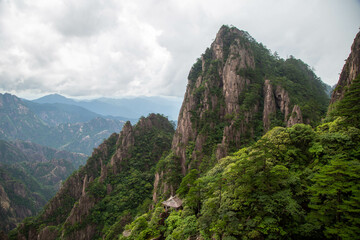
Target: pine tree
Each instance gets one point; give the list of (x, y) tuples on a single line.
[(335, 198), (349, 106)]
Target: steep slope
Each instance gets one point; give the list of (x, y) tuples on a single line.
[(293, 183), (349, 72), (236, 92), (18, 121), (111, 187)]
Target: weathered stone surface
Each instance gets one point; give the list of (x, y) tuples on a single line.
[(156, 184), (282, 101), (295, 117), (4, 200), (349, 72), (184, 131), (75, 186), (47, 234), (124, 142), (269, 104), (231, 84), (80, 210)]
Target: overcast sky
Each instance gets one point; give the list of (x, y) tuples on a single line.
[(112, 48)]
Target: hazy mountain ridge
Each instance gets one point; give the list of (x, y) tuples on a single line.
[(122, 108), (18, 121), (54, 114)]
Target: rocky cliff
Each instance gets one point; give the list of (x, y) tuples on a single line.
[(349, 72), (237, 91), (118, 176)]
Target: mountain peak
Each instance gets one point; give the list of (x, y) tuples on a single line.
[(54, 98), (224, 103)]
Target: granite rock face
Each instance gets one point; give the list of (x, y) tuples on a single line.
[(216, 88), (349, 72), (269, 104), (295, 117), (214, 91)]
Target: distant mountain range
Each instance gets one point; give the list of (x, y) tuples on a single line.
[(56, 113), (59, 126), (122, 109), (35, 134)]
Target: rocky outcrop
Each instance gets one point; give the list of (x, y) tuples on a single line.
[(269, 104), (82, 208), (349, 72), (126, 139), (218, 69), (78, 215), (279, 100), (156, 184), (124, 142), (4, 200), (282, 100), (75, 188), (233, 83), (295, 117), (48, 233), (184, 131)]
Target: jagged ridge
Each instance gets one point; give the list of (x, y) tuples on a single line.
[(117, 176)]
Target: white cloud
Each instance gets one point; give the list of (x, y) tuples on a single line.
[(128, 48)]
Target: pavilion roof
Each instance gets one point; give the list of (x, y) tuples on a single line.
[(173, 202)]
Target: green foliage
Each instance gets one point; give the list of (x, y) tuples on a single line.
[(117, 198), (195, 71), (97, 189), (28, 186), (335, 191), (170, 166), (293, 183), (132, 187), (349, 106), (187, 182)]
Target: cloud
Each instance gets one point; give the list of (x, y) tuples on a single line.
[(130, 48)]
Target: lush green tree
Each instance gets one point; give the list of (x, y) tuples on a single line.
[(349, 106), (335, 198)]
